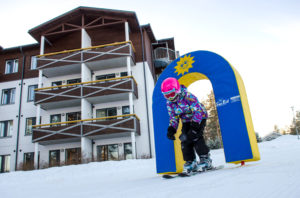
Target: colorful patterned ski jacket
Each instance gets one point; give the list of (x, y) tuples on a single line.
[(187, 107)]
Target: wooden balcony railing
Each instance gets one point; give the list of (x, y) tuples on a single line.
[(87, 90), (84, 128), (85, 55)]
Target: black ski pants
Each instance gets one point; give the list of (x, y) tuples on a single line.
[(189, 143)]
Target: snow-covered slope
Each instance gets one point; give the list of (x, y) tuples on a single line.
[(277, 174)]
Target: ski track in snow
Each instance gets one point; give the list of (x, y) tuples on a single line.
[(276, 175)]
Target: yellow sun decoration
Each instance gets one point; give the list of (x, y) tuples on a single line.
[(184, 64)]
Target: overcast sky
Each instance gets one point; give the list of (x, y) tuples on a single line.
[(261, 39)]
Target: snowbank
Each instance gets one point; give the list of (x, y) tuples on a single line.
[(275, 175)]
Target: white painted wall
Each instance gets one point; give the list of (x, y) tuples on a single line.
[(85, 39), (86, 73), (143, 147), (8, 145), (150, 88)]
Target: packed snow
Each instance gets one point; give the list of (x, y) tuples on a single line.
[(277, 174)]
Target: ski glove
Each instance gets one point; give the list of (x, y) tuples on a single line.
[(171, 133)]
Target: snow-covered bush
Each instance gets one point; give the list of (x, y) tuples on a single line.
[(271, 136), (214, 144)]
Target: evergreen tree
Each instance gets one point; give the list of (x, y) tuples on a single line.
[(212, 132), (295, 123), (276, 129), (258, 138)]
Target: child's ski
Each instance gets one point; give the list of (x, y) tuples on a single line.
[(169, 176)]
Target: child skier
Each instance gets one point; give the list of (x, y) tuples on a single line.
[(184, 105)]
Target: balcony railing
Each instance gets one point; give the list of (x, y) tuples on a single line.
[(116, 126), (95, 91), (96, 57), (163, 57)]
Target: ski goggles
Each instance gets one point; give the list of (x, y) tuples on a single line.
[(170, 95)]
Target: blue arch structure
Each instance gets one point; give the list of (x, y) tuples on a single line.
[(235, 121)]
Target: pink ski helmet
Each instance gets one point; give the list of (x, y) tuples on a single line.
[(170, 88)]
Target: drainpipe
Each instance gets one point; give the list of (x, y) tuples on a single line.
[(148, 124), (20, 105)]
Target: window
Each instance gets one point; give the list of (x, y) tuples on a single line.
[(72, 81), (125, 110), (55, 118), (33, 62), (57, 83), (105, 76), (29, 123), (73, 155), (11, 66), (54, 158), (108, 152), (31, 92), (124, 74), (128, 151), (4, 163), (6, 128), (73, 116), (28, 162), (8, 96), (107, 112)]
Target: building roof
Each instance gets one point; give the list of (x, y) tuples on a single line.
[(89, 13), (17, 48), (148, 29)]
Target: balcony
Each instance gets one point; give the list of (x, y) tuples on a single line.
[(99, 91), (163, 57), (97, 128), (96, 58)]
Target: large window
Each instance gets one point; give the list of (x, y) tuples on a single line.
[(8, 96), (56, 83), (73, 156), (125, 110), (29, 123), (33, 62), (72, 81), (108, 152), (124, 74), (6, 128), (107, 112), (11, 66), (105, 76), (55, 118), (28, 162), (4, 163), (128, 151), (54, 158), (31, 92), (73, 116)]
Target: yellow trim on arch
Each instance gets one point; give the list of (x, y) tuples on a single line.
[(248, 118), (190, 78)]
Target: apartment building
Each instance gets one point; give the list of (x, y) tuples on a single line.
[(83, 92)]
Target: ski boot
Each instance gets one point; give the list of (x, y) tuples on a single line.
[(189, 166), (205, 163)]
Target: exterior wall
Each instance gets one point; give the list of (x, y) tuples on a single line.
[(67, 42), (150, 87), (142, 145), (8, 145), (109, 34), (143, 73), (148, 52), (16, 54), (10, 112)]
